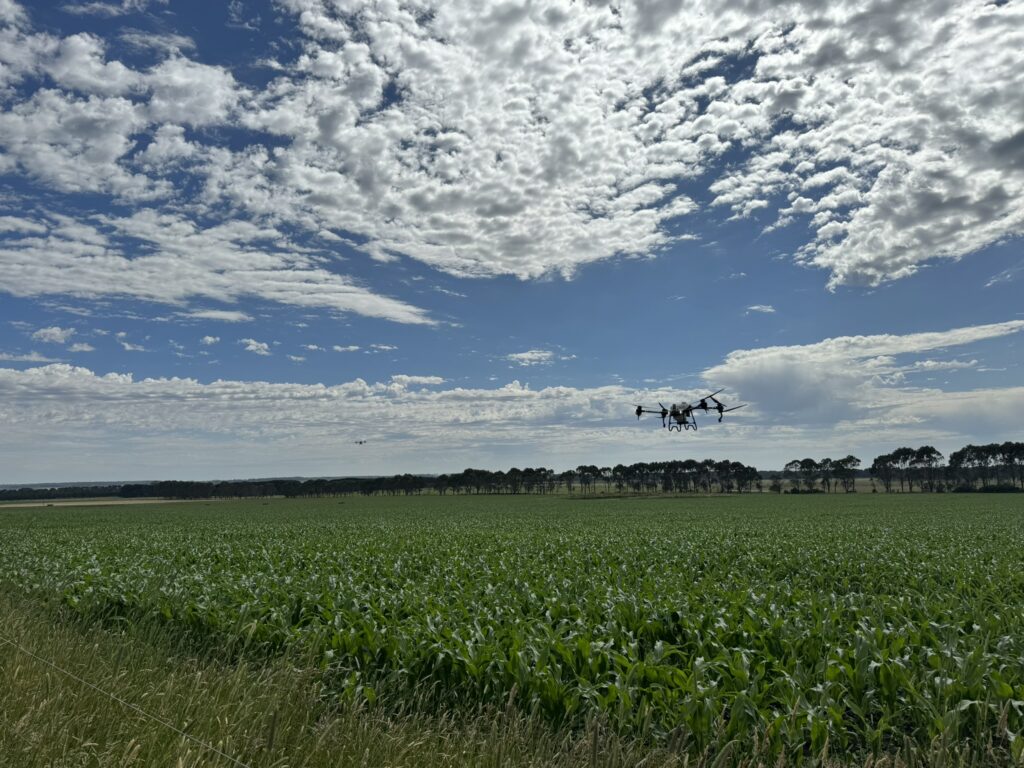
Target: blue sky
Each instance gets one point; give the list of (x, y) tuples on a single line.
[(234, 240)]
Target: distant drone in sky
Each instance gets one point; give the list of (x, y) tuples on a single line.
[(681, 415), (360, 442)]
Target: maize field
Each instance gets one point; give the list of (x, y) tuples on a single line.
[(793, 627)]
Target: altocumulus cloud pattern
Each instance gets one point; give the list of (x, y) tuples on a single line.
[(505, 139)]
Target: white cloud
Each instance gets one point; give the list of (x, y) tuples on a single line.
[(486, 139), (313, 347), (1008, 275), (258, 347), (163, 42), (383, 347), (447, 292), (129, 347), (119, 401), (81, 347), (223, 262), (905, 140), (75, 144), (12, 13), (845, 378), (207, 341), (190, 93), (78, 63), (349, 348), (80, 137), (562, 140), (944, 365), (54, 334), (295, 358), (224, 315), (237, 16), (107, 9), (766, 309), (141, 425), (536, 357), (531, 357), (31, 357), (403, 380)]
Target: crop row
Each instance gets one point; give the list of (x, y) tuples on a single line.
[(851, 625)]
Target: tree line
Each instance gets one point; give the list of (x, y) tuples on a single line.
[(690, 476), (994, 467)]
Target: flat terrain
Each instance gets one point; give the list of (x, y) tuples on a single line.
[(564, 632), (88, 503)]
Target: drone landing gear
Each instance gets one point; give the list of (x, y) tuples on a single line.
[(681, 427)]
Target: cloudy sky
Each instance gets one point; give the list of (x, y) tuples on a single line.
[(237, 237)]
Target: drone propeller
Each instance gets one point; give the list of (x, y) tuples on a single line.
[(735, 408), (704, 400), (640, 411), (664, 414)]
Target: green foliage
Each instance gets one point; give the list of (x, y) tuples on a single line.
[(805, 625)]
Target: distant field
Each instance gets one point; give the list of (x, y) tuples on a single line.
[(792, 627), (103, 501)]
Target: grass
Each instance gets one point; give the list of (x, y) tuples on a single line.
[(272, 713), (529, 631)]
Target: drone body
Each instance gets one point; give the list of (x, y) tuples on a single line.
[(681, 415)]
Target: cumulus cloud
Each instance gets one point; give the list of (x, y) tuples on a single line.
[(81, 347), (75, 143), (224, 262), (845, 378), (531, 357), (904, 142), (562, 141), (187, 422), (206, 341), (349, 348), (80, 131), (257, 347), (766, 309), (486, 139), (189, 93), (54, 334), (284, 410)]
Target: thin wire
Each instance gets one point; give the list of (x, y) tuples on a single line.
[(122, 702)]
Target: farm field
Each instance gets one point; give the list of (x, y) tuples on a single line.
[(775, 629)]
